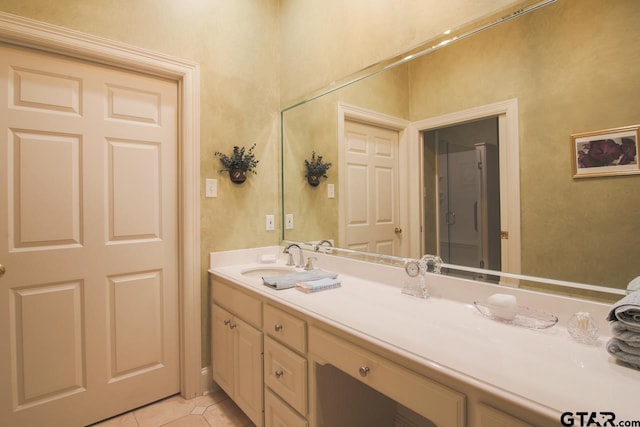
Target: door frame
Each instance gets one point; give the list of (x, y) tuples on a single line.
[(25, 32), (508, 135), (362, 115)]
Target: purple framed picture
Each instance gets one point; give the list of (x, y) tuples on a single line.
[(605, 152)]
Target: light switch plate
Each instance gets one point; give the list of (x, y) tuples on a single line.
[(331, 191), (271, 222), (211, 188), (288, 221)]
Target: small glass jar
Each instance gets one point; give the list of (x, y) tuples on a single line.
[(583, 328)]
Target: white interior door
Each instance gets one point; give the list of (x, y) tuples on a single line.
[(88, 236), (371, 196)]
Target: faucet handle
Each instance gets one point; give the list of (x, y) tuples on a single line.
[(309, 265)]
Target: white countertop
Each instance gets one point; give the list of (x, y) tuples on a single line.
[(544, 369)]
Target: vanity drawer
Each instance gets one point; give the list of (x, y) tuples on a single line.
[(491, 417), (434, 401), (237, 302), (286, 328), (278, 414), (285, 373)]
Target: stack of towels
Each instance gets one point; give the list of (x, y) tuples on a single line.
[(625, 327)]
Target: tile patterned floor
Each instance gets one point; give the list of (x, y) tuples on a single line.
[(212, 410)]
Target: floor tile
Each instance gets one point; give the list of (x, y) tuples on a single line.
[(125, 420), (212, 410), (189, 421), (209, 399), (198, 410), (163, 412), (226, 414)]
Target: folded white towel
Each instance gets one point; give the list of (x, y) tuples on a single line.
[(614, 349), (626, 333), (318, 285)]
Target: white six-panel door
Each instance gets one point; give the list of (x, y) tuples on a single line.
[(88, 237), (371, 199)]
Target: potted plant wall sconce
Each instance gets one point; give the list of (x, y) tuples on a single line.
[(238, 163), (316, 169)]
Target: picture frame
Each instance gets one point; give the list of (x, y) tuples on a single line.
[(605, 152)]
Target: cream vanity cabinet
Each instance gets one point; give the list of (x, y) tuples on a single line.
[(236, 340), (286, 368)]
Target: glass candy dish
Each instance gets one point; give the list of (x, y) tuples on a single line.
[(525, 317)]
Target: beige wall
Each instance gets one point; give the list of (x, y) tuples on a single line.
[(236, 44)]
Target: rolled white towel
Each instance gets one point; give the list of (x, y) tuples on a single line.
[(503, 306), (627, 310), (634, 285)]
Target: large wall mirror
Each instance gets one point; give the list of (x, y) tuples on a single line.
[(477, 134)]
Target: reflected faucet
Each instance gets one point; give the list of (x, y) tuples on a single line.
[(290, 261), (322, 242)]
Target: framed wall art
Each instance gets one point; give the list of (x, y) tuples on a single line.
[(605, 152)]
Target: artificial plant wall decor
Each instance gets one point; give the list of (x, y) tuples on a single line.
[(316, 168), (238, 163)]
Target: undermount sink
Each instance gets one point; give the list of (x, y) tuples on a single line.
[(266, 271)]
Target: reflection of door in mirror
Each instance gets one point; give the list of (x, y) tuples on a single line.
[(465, 194), (370, 156)]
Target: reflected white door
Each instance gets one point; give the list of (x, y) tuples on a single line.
[(371, 199), (88, 236)]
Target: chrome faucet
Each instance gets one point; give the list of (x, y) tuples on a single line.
[(322, 242), (290, 261)]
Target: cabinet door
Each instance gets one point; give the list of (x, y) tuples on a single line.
[(222, 348), (278, 414), (248, 375)]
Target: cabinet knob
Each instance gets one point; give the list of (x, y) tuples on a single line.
[(226, 322), (232, 325), (279, 373), (2, 270), (364, 371), (278, 327)]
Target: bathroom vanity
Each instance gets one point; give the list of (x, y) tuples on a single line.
[(366, 354)]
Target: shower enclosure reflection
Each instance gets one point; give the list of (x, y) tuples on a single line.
[(467, 195)]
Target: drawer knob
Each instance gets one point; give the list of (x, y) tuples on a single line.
[(226, 322), (364, 371), (279, 374), (232, 325), (278, 327)]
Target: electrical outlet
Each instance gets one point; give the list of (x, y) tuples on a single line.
[(211, 188), (271, 222), (288, 221)]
